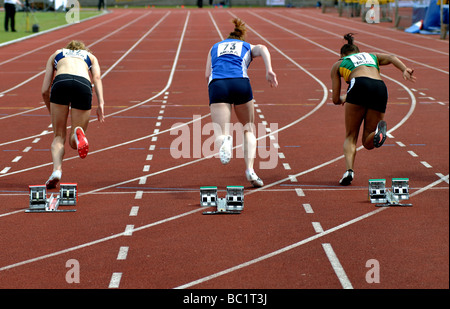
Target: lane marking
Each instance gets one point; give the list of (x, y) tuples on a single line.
[(115, 281), (261, 258), (138, 195), (412, 153), (128, 230), (103, 75), (123, 253), (299, 192), (317, 227), (337, 267), (308, 208), (134, 211), (426, 164)]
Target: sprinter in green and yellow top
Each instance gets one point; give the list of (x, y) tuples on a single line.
[(366, 96)]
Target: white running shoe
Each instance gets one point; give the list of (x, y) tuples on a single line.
[(254, 179), (55, 177), (225, 149)]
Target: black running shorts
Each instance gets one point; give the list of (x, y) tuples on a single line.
[(230, 90), (72, 89), (368, 92)]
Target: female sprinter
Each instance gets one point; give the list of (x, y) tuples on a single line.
[(366, 98), (71, 85), (228, 84)]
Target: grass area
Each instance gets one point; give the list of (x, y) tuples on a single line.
[(45, 20)]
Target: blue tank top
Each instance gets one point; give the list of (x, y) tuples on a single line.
[(230, 59)]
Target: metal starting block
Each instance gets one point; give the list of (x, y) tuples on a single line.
[(68, 196), (208, 196), (377, 190), (233, 203), (381, 196)]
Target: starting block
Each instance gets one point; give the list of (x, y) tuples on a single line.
[(208, 196), (377, 190), (68, 196), (379, 195), (233, 203)]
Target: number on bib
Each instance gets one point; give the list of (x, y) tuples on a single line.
[(362, 59), (229, 48)]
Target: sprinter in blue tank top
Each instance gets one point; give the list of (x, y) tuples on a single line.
[(228, 84)]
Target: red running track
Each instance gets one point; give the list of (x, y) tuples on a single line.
[(138, 223)]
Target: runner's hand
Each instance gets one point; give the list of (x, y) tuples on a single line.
[(408, 75), (272, 79), (100, 114)]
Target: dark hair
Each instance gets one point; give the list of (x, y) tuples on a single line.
[(239, 30), (349, 48)]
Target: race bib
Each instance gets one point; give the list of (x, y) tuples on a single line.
[(362, 59), (75, 53), (230, 48)]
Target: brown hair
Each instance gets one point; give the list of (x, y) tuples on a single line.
[(76, 45), (239, 30), (349, 48)]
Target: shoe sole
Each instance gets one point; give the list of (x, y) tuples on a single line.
[(380, 136), (51, 184), (225, 158), (345, 181), (83, 146), (257, 183), (225, 155), (83, 150)]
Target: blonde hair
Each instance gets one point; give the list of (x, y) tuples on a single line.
[(239, 30), (76, 45)]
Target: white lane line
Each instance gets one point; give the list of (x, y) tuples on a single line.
[(103, 75), (123, 253), (115, 281), (138, 195), (444, 178), (337, 267), (317, 227), (5, 170), (412, 153), (308, 208), (426, 164), (134, 211), (261, 258), (17, 159), (299, 192), (128, 230)]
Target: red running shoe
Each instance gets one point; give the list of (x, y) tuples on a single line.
[(82, 142)]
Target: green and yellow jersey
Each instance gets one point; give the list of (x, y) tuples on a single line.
[(349, 63)]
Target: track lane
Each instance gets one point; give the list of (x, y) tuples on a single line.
[(187, 195)]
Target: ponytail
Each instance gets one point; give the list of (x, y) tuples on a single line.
[(239, 30), (349, 48)]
